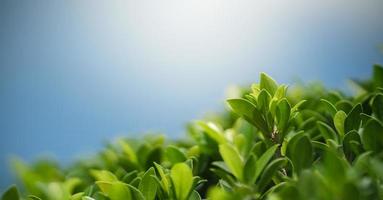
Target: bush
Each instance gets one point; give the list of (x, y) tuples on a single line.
[(308, 143)]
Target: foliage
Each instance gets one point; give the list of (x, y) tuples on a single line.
[(305, 143)]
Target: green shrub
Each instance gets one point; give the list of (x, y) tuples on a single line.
[(305, 143)]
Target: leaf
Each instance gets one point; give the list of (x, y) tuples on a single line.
[(103, 175), (372, 136), (378, 76), (232, 159), (136, 194), (249, 169), (283, 114), (213, 131), (297, 106), (182, 179), (11, 194), (377, 106), (339, 119), (269, 172), (267, 83), (174, 155), (264, 160), (115, 190), (249, 112), (194, 196), (348, 147), (344, 105), (326, 131), (33, 197), (281, 92), (164, 180), (353, 119), (330, 108), (131, 155), (299, 150), (263, 100), (148, 185)]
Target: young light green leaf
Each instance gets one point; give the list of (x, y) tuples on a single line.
[(263, 100), (213, 131), (128, 151), (182, 178), (249, 112), (233, 160), (148, 185), (164, 180), (339, 119), (115, 190), (103, 175), (174, 155), (267, 83), (283, 114)]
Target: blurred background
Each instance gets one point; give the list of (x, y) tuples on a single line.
[(74, 74)]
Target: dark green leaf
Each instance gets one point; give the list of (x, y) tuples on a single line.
[(11, 194), (353, 119)]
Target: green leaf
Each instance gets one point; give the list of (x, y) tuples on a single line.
[(353, 119), (174, 155), (131, 155), (249, 169), (263, 100), (377, 106), (349, 141), (103, 175), (297, 106), (194, 196), (33, 197), (372, 136), (213, 131), (283, 114), (136, 194), (264, 160), (267, 83), (299, 150), (339, 119), (281, 92), (115, 190), (269, 172), (148, 184), (344, 105), (11, 194), (164, 180), (330, 108), (182, 179), (378, 76), (233, 160), (249, 112), (326, 131)]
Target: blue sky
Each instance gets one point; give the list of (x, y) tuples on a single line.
[(76, 73)]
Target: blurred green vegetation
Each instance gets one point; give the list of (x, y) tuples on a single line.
[(275, 142)]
